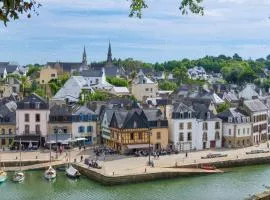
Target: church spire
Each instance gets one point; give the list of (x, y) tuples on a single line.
[(109, 56), (84, 58)]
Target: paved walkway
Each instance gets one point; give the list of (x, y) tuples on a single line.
[(134, 165)]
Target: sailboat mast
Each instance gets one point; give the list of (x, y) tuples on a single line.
[(50, 153), (70, 150), (20, 155)]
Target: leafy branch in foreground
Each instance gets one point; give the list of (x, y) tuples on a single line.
[(11, 9)]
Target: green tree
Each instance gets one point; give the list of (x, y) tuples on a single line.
[(167, 85), (120, 82), (12, 9), (223, 107), (180, 74)]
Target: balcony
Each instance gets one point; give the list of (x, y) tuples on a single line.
[(38, 133)]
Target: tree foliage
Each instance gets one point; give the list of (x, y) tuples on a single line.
[(186, 6), (120, 82), (11, 9), (86, 96), (222, 107), (167, 85)]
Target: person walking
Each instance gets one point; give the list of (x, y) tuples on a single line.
[(186, 154)]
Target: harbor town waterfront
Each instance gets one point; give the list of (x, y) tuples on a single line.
[(219, 186), (134, 100)]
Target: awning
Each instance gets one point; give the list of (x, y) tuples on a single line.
[(27, 138), (139, 146), (81, 139)]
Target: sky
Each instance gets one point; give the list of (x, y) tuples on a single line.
[(63, 27)]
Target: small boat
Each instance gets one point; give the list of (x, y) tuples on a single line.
[(72, 172), (208, 167), (50, 173), (3, 176), (19, 175)]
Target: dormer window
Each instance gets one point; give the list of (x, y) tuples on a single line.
[(37, 105), (230, 119), (239, 119), (189, 115), (248, 119), (244, 119), (135, 124), (181, 115), (208, 115)]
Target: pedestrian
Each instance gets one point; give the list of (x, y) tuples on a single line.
[(186, 154), (81, 158), (83, 147), (80, 147), (268, 145), (145, 170), (158, 155)]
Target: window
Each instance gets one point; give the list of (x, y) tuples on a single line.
[(52, 75), (146, 89), (208, 115), (3, 141), (81, 129), (248, 131), (97, 80), (181, 137), (189, 115), (3, 132), (238, 131), (89, 129), (217, 136), (189, 125), (26, 129), (26, 117), (205, 126), (189, 136), (37, 129), (181, 126), (158, 135), (217, 125), (248, 119), (230, 119), (37, 105), (230, 131), (205, 136), (181, 115), (37, 117), (140, 136), (10, 131), (244, 131), (132, 136)]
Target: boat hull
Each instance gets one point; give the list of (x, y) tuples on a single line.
[(19, 177), (50, 174)]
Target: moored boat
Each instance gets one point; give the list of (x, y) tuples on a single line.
[(19, 175), (3, 176), (208, 167), (50, 173), (72, 172)]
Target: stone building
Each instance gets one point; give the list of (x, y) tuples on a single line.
[(7, 124), (236, 128)]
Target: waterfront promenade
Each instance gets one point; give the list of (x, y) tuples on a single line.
[(114, 166)]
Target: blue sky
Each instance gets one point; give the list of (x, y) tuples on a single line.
[(63, 27)]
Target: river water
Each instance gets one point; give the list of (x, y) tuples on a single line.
[(236, 184)]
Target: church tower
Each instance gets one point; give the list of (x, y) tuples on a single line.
[(84, 57), (109, 55)]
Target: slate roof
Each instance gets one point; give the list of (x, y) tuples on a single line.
[(234, 113), (201, 112), (180, 107), (82, 110), (67, 66), (30, 101), (2, 69), (91, 73), (9, 67), (248, 92), (255, 105), (57, 110), (7, 115)]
